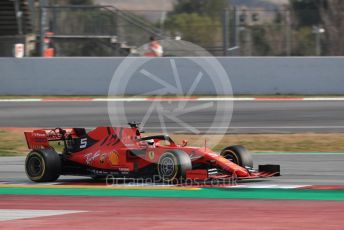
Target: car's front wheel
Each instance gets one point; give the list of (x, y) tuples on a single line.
[(173, 165), (238, 155)]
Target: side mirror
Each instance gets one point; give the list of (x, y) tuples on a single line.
[(184, 143)]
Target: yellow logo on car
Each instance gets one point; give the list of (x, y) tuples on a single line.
[(114, 158)]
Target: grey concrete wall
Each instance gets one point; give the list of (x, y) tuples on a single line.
[(92, 76)]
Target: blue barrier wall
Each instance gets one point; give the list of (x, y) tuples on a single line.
[(92, 76)]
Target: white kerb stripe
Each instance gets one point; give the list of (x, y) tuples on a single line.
[(15, 214)]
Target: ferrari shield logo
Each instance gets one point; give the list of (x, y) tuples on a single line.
[(151, 155)]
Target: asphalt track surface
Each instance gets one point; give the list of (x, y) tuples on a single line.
[(296, 169), (248, 116), (171, 213), (32, 207)]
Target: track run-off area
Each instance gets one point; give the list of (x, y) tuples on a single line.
[(304, 197), (90, 212), (308, 195)]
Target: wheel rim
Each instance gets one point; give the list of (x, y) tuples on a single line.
[(229, 155), (35, 166), (167, 167)]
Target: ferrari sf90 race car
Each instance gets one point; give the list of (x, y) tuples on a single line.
[(125, 153)]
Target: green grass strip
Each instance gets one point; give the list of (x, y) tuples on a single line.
[(209, 193), (298, 153)]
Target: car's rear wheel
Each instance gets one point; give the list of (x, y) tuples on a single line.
[(173, 165), (238, 155), (43, 165)]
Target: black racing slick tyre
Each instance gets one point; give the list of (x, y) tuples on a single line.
[(43, 165), (173, 165), (238, 155)]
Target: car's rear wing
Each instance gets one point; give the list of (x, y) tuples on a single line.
[(39, 139)]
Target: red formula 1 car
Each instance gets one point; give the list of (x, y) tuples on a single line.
[(124, 153)]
